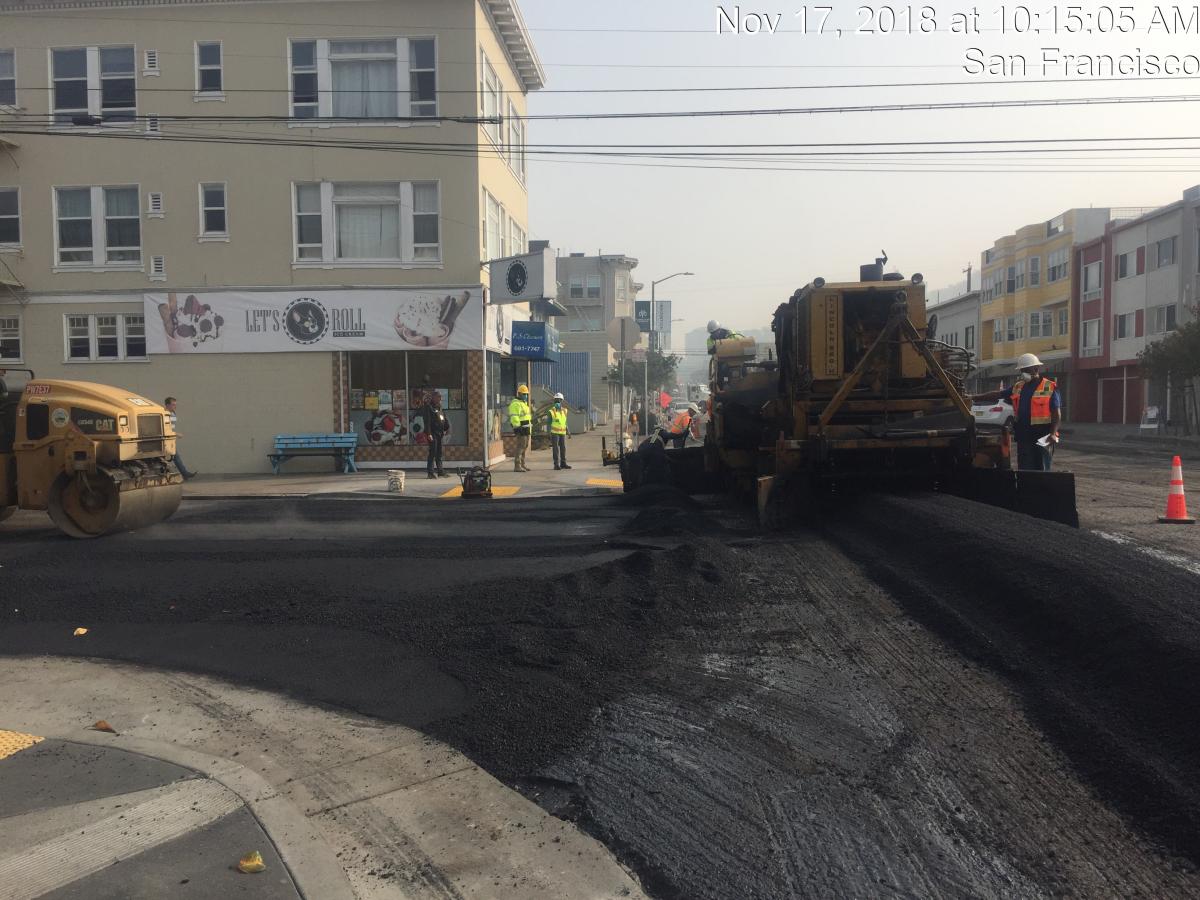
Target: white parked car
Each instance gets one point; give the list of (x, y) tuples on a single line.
[(998, 413)]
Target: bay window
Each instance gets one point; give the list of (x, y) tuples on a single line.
[(98, 227), (489, 98), (380, 78), (389, 223)]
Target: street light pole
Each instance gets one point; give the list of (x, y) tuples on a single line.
[(649, 347)]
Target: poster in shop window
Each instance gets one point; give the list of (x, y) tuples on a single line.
[(315, 319)]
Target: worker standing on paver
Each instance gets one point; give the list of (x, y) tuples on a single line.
[(557, 414), (1037, 408), (521, 418), (688, 420), (717, 333)]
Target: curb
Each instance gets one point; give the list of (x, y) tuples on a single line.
[(585, 491), (314, 870)]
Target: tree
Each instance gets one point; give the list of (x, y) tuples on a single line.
[(662, 371), (1175, 360)]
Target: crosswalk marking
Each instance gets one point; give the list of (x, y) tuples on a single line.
[(179, 809)]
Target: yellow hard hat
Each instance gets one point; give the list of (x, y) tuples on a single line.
[(522, 389)]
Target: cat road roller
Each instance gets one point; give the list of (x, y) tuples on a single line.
[(97, 458)]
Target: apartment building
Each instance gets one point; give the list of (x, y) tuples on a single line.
[(1138, 281), (595, 290), (250, 206), (1025, 298)]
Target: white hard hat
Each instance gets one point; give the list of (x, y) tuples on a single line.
[(713, 325), (559, 397), (1028, 361), (693, 409)]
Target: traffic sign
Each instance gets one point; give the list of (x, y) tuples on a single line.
[(623, 334)]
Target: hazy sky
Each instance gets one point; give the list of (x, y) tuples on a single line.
[(752, 237)]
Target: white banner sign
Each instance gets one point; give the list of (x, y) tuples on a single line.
[(315, 319), (498, 327)]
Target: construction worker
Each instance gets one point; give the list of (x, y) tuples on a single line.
[(557, 414), (688, 420), (521, 418), (1037, 408), (717, 333)]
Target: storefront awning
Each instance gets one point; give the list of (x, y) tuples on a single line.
[(548, 307)]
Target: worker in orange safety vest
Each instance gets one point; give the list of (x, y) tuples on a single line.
[(686, 421), (1037, 409)]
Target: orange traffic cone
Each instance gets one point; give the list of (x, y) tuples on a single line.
[(1176, 500)]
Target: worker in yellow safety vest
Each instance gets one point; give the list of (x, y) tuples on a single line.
[(521, 418), (557, 414), (1037, 411), (686, 421)]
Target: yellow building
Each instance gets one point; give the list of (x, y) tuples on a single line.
[(1026, 296)]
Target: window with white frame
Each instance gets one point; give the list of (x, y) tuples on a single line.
[(505, 234), (515, 150), (1126, 265), (209, 76), (622, 287), (1035, 271), (93, 82), (214, 214), (593, 287), (489, 98), (1093, 286), (1162, 319), (367, 222), (1090, 339), (1064, 319), (1055, 226), (491, 208), (1016, 328), (969, 337), (1164, 253), (1057, 265), (520, 242), (8, 78), (1041, 323), (10, 216), (380, 78), (98, 227), (1123, 326), (997, 331), (104, 336), (10, 338), (576, 288)]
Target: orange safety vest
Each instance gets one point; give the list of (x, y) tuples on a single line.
[(682, 423), (1039, 404)]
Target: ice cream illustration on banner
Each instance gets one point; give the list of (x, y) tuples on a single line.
[(190, 325), (427, 320)]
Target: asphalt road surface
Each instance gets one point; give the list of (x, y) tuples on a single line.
[(909, 696)]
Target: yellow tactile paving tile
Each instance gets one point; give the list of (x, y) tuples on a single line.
[(15, 741), (605, 482), (497, 491)]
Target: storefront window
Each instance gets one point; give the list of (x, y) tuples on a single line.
[(502, 387), (388, 389)]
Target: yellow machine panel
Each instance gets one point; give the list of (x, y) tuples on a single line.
[(825, 327), (911, 363)]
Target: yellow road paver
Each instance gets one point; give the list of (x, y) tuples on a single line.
[(15, 741)]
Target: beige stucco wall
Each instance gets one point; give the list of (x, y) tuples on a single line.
[(259, 178), (231, 406)]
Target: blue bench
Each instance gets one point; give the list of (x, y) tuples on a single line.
[(339, 446)]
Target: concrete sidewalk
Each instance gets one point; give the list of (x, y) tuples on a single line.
[(586, 475), (202, 773)]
